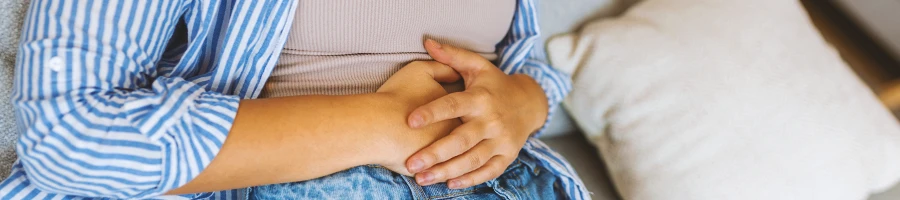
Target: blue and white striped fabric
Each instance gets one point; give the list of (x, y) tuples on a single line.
[(111, 104)]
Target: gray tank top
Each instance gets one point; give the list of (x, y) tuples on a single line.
[(340, 47)]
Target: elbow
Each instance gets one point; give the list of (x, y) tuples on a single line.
[(102, 147), (60, 159), (72, 174)]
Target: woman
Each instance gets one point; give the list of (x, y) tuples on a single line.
[(130, 99)]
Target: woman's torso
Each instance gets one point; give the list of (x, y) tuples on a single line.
[(342, 47)]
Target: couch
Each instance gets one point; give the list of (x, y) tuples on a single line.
[(557, 16), (569, 15)]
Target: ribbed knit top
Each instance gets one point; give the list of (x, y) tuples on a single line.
[(339, 47)]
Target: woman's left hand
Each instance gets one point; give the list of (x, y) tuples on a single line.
[(498, 112)]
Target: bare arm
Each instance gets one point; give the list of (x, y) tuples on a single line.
[(270, 142), (304, 137)]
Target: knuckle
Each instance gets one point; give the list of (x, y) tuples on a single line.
[(482, 99), (498, 145), (431, 156), (488, 93), (475, 160), (452, 104), (495, 119), (496, 125), (483, 95), (464, 141), (493, 128), (501, 129)]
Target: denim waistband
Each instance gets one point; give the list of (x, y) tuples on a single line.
[(376, 182)]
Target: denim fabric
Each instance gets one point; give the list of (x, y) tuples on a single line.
[(523, 179)]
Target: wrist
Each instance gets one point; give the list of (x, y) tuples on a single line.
[(393, 146), (390, 112), (535, 102)]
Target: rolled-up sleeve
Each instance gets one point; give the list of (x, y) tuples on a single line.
[(98, 117), (522, 52)]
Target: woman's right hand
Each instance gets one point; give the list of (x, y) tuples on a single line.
[(416, 84)]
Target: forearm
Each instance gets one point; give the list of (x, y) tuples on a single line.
[(298, 138)]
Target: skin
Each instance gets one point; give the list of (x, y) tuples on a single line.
[(271, 143), (498, 112)]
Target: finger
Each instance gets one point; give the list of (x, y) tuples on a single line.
[(451, 106), (458, 141), (465, 62), (439, 71), (493, 168), (470, 160)]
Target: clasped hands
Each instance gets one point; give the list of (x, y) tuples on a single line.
[(495, 114)]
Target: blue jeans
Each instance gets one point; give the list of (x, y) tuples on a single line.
[(523, 179)]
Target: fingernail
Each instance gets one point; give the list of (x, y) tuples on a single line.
[(416, 165), (454, 184), (425, 178), (416, 121), (434, 43)]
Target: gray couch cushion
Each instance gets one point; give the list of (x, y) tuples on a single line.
[(7, 121), (584, 158), (12, 12)]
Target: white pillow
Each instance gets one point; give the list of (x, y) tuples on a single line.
[(736, 99)]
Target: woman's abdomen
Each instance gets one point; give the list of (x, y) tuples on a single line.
[(334, 75)]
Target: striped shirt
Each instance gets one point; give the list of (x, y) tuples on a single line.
[(110, 104)]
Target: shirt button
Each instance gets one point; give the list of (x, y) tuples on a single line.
[(56, 64)]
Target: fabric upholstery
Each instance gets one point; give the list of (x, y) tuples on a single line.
[(712, 99)]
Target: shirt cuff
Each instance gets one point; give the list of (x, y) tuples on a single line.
[(190, 145)]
